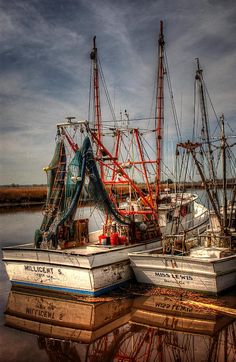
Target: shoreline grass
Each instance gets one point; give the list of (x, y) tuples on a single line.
[(22, 194)]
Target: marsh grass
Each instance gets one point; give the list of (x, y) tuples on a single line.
[(22, 194)]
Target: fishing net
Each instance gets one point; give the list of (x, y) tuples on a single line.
[(73, 177), (56, 172), (98, 192), (65, 188)]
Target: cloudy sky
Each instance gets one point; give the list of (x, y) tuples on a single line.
[(45, 66)]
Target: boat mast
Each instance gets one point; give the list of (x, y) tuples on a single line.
[(159, 117), (96, 102), (191, 147), (205, 128), (223, 145)]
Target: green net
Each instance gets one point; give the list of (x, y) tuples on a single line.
[(65, 187), (56, 172), (73, 177)]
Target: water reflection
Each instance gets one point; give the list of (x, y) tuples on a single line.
[(155, 328), (65, 317)]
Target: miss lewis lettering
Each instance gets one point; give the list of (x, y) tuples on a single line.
[(168, 276)]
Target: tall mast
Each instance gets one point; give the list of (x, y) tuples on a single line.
[(191, 147), (159, 116), (205, 129), (96, 101), (225, 222)]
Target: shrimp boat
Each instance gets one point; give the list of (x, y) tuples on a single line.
[(122, 181), (206, 263)]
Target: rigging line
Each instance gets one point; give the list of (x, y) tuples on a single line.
[(190, 174), (129, 149), (231, 129), (145, 152), (228, 146), (197, 113), (205, 153), (181, 167), (100, 214), (189, 171), (132, 119), (163, 164), (172, 98), (207, 93), (127, 152), (218, 159), (148, 144), (231, 167), (123, 154), (179, 221), (214, 139), (206, 126), (165, 172), (144, 130), (232, 157), (106, 91)]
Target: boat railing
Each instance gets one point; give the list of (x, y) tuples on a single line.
[(210, 239)]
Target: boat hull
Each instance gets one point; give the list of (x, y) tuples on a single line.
[(89, 270), (211, 276)]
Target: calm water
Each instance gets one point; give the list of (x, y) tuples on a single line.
[(119, 328)]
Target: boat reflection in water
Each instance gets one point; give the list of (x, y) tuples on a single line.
[(155, 328), (64, 316), (181, 332)]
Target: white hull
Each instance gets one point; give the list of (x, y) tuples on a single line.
[(91, 270), (209, 275)]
